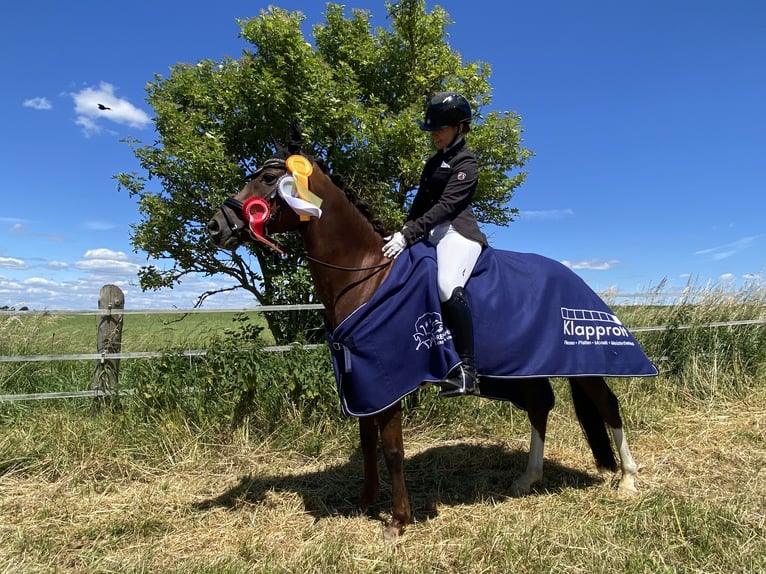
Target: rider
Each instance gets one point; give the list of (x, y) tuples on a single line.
[(441, 213)]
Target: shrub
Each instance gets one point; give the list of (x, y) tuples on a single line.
[(237, 381)]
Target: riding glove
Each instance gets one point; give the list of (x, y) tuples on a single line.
[(396, 244)]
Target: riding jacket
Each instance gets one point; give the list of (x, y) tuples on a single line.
[(447, 186)]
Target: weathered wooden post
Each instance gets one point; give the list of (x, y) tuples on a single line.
[(108, 340)]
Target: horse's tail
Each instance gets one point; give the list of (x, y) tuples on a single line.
[(593, 425)]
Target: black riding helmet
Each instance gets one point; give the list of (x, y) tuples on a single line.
[(446, 109)]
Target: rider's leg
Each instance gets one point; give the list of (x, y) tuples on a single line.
[(456, 257), (462, 380)]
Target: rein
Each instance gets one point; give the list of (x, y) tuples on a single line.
[(341, 268)]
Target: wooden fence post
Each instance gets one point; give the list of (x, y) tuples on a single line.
[(108, 340)]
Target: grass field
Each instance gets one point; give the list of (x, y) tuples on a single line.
[(137, 490), (71, 334)]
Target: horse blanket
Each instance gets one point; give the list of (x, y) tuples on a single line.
[(533, 318)]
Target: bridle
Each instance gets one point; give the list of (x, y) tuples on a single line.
[(245, 214)]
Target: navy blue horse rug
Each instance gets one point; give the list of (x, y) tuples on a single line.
[(533, 318)]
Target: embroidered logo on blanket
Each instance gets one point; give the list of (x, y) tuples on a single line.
[(590, 327), (430, 331)]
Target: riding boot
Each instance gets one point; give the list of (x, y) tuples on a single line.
[(461, 380)]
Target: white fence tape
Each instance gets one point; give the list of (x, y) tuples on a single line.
[(701, 325), (259, 309), (134, 355)]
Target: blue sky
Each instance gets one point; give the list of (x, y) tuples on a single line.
[(647, 120)]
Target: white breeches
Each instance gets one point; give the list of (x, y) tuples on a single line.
[(455, 258)]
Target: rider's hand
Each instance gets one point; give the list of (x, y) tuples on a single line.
[(395, 245)]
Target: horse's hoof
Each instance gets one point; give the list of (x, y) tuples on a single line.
[(519, 490), (522, 486), (392, 533), (394, 529), (627, 488)]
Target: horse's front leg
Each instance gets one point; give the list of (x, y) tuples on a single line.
[(368, 438), (390, 423)]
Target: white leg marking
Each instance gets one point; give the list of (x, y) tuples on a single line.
[(627, 464), (534, 471)]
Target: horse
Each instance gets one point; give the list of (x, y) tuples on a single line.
[(343, 251)]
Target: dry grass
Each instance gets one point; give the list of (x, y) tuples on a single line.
[(118, 494), (248, 506)]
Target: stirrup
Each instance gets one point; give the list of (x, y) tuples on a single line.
[(461, 380)]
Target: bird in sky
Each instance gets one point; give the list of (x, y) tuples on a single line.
[(103, 107)]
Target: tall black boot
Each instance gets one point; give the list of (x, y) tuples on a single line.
[(462, 380)]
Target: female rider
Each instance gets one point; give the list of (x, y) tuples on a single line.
[(441, 213)]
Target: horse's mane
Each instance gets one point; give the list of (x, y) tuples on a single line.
[(361, 205), (294, 146)]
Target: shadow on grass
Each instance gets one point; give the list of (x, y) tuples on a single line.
[(453, 474)]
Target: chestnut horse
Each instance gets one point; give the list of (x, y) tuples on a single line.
[(344, 255)]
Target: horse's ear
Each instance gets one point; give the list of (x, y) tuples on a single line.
[(279, 149), (296, 137)]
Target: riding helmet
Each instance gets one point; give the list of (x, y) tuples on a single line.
[(446, 109)]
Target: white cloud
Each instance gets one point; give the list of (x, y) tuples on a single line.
[(38, 104), (12, 263), (20, 229), (107, 261), (592, 264), (40, 282), (8, 285), (728, 249), (107, 266), (121, 111), (89, 126), (75, 284), (103, 253)]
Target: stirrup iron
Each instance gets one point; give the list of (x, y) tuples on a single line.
[(462, 380)]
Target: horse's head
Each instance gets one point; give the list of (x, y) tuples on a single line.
[(259, 208), (256, 211)]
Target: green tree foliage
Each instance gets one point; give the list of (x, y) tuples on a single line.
[(356, 91)]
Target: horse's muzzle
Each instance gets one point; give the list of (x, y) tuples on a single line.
[(221, 234)]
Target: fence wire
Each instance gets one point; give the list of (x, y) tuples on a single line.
[(93, 394)]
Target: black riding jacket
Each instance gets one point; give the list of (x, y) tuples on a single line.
[(447, 186)]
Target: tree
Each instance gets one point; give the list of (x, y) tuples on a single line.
[(356, 91)]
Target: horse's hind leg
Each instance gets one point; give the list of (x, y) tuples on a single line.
[(627, 464), (534, 471), (537, 402), (390, 423), (598, 396)]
